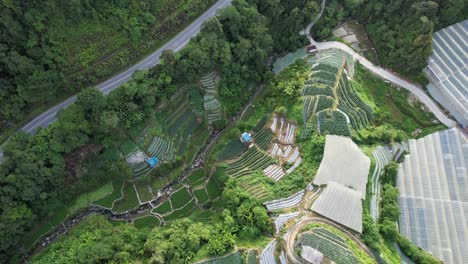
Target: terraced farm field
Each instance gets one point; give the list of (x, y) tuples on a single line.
[(263, 138), (211, 104), (329, 90), (252, 160), (331, 245), (233, 258)]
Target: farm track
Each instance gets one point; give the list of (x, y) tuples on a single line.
[(197, 162)]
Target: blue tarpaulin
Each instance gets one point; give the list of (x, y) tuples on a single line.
[(246, 137), (153, 161)]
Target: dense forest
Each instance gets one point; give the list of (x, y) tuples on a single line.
[(51, 49), (34, 177)]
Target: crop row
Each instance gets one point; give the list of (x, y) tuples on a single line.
[(161, 148), (128, 147), (263, 138), (253, 159), (260, 124), (327, 76), (232, 149), (316, 89), (196, 100), (309, 103), (141, 169), (325, 233), (323, 102), (333, 123), (335, 252)]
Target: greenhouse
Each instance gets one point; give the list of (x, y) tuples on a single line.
[(447, 70), (433, 184), (340, 204), (343, 162)]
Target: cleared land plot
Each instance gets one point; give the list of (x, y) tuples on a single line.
[(196, 177), (213, 189), (144, 191)]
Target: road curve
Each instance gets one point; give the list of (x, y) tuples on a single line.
[(177, 43), (416, 90)]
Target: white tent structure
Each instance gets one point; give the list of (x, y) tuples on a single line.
[(340, 204), (433, 185), (448, 70), (343, 162)]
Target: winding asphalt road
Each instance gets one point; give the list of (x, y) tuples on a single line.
[(106, 87), (416, 90)]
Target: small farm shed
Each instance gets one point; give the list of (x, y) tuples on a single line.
[(153, 161)]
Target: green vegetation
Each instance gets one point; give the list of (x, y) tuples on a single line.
[(169, 111), (201, 195), (128, 201), (180, 198), (333, 243), (196, 177), (146, 222), (401, 30), (231, 150), (163, 208), (74, 45)]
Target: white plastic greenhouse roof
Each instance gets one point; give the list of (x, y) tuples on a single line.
[(345, 163), (433, 185), (447, 70), (340, 204)]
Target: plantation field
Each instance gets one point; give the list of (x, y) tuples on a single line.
[(144, 192), (163, 208), (231, 150), (213, 189), (328, 90), (233, 258), (197, 177), (253, 159), (146, 222), (128, 201), (263, 138), (186, 210), (201, 195), (180, 198)]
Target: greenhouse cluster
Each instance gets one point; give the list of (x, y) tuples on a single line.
[(433, 200), (447, 70)]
